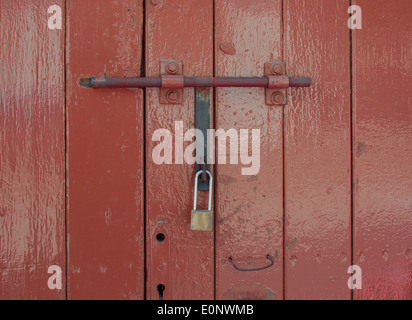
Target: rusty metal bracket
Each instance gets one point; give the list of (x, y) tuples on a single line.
[(276, 92), (171, 73)]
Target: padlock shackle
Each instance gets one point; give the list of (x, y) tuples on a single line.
[(209, 206)]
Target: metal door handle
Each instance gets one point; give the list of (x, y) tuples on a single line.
[(255, 269)]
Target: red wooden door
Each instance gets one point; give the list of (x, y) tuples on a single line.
[(301, 195), (249, 209), (333, 184), (382, 233), (105, 147), (184, 262), (317, 151), (298, 208), (32, 223)]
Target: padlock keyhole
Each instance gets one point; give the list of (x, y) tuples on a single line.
[(161, 289)]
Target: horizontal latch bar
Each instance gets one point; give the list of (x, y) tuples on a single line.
[(198, 82)]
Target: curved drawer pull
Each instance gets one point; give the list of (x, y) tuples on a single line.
[(256, 269)]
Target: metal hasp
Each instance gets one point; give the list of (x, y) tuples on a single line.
[(202, 122), (276, 93), (171, 81)]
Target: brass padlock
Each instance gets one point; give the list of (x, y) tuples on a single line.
[(202, 220)]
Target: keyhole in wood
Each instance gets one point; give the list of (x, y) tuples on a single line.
[(160, 237), (160, 289)]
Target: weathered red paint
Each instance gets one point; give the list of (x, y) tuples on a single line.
[(298, 209), (184, 261), (105, 153), (382, 149), (318, 151), (32, 235), (249, 209)]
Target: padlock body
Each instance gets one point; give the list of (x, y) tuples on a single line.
[(202, 220)]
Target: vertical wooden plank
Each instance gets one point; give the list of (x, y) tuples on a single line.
[(105, 152), (184, 261), (32, 229), (317, 151), (382, 73), (249, 209)]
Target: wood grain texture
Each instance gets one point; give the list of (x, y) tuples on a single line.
[(249, 209), (306, 151), (318, 151), (184, 261), (105, 132), (382, 149), (32, 233)]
